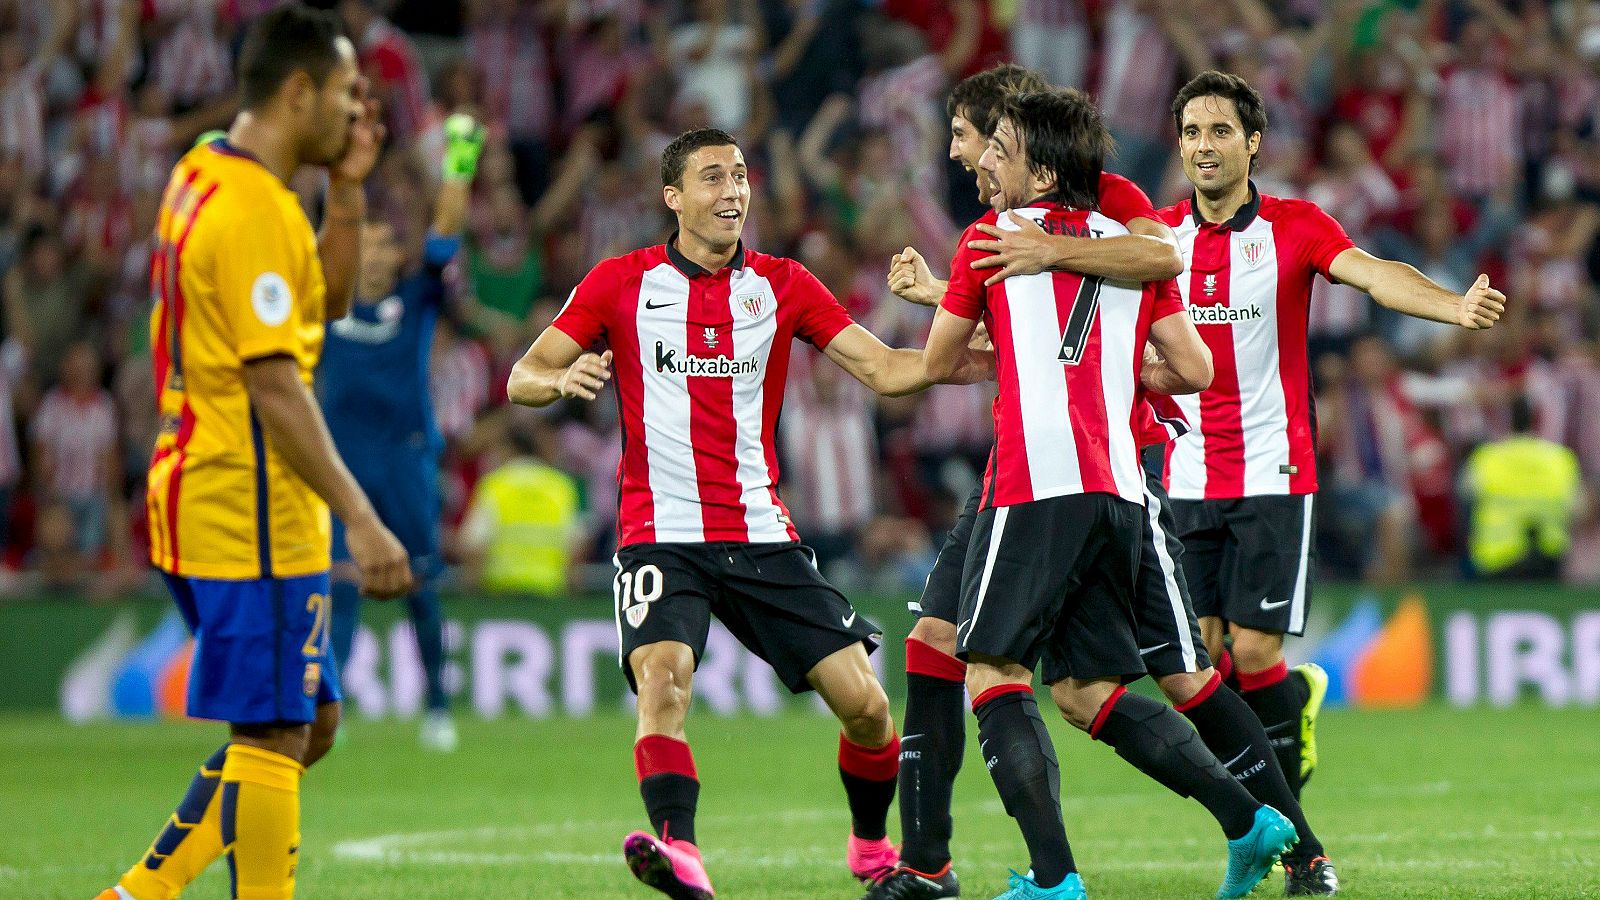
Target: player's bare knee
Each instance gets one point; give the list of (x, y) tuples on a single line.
[(284, 740), (866, 720), (1254, 651), (936, 633), (1076, 705), (323, 730), (1181, 687)]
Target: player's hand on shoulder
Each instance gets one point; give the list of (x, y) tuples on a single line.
[(586, 376), (1481, 305), (382, 560), (911, 279), (1023, 251)]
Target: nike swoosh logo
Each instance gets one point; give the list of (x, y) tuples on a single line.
[(908, 739), (1271, 606), (1146, 651), (1229, 763), (850, 619), (651, 304)]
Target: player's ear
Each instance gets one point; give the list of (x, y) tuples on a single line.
[(299, 90), (1254, 143), (671, 196)]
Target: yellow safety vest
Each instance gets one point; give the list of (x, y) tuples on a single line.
[(1524, 490), (534, 508)]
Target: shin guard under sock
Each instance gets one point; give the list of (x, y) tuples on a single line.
[(1159, 743), (930, 754), (1022, 761)]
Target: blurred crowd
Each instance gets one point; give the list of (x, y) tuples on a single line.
[(1457, 135)]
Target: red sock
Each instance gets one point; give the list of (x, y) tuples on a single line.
[(1255, 681), (869, 776), (668, 784), (924, 659)]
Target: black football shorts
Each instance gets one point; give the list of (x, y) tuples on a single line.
[(770, 596)]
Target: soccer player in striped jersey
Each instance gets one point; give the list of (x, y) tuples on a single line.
[(1243, 484), (1169, 636), (1051, 571), (244, 473), (699, 330)]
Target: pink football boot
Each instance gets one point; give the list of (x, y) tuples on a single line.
[(671, 867), (871, 860)]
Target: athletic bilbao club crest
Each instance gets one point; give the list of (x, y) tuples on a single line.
[(752, 304), (1253, 251)]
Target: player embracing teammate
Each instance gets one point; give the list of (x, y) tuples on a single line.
[(1023, 248), (698, 331)]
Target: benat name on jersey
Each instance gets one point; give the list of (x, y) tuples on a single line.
[(1224, 315), (668, 362)]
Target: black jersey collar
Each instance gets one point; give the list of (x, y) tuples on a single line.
[(692, 269), (1241, 219)]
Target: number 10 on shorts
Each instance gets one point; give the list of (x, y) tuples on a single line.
[(636, 590)]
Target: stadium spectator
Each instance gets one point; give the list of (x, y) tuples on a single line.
[(47, 299), (1362, 422), (523, 522), (1481, 114), (77, 469), (389, 59), (1524, 495)]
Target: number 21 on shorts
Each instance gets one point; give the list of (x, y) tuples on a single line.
[(636, 590)]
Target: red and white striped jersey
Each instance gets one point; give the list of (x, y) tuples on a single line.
[(1247, 285), (699, 362), (1067, 355)]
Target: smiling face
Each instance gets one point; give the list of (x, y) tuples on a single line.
[(713, 196), (1005, 161), (967, 144), (1213, 145)]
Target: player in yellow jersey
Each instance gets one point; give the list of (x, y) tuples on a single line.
[(244, 472)]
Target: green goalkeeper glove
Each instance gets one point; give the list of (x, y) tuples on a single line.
[(463, 144)]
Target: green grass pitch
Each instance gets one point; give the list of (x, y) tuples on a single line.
[(1429, 803)]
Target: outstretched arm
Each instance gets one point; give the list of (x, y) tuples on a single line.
[(1402, 288), (556, 367), (897, 372), (1149, 252)]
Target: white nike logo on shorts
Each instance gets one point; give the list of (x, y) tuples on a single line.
[(1268, 607), (850, 619), (1146, 651)]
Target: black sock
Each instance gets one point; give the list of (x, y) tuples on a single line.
[(668, 784), (1276, 696), (869, 775), (670, 800), (930, 757), (1017, 750), (1159, 743), (1233, 733)]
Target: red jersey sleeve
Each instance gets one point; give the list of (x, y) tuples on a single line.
[(1320, 238), (1122, 200), (1168, 300), (583, 318), (965, 294), (821, 316)]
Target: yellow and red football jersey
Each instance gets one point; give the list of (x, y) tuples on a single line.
[(236, 277)]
